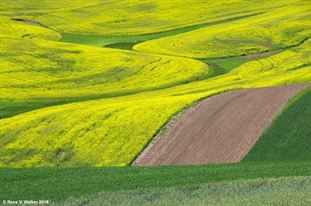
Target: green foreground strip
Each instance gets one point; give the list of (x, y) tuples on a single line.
[(262, 191), (57, 184)]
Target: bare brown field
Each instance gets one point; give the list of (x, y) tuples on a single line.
[(219, 129)]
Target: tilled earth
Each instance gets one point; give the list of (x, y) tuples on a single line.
[(220, 129)]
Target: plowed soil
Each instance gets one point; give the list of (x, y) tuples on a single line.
[(220, 129)]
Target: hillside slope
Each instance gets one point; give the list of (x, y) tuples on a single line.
[(117, 17), (282, 27)]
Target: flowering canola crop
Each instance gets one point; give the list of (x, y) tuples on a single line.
[(118, 100)]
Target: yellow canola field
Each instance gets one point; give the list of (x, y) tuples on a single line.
[(95, 133), (15, 29), (46, 70), (119, 17), (278, 28), (112, 131), (292, 66)]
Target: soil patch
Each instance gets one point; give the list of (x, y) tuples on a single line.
[(261, 55), (29, 22), (220, 129)]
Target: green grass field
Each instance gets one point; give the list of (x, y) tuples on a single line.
[(68, 184), (71, 109), (267, 191)]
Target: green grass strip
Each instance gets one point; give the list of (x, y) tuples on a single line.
[(262, 191), (55, 184), (10, 109), (289, 135)]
